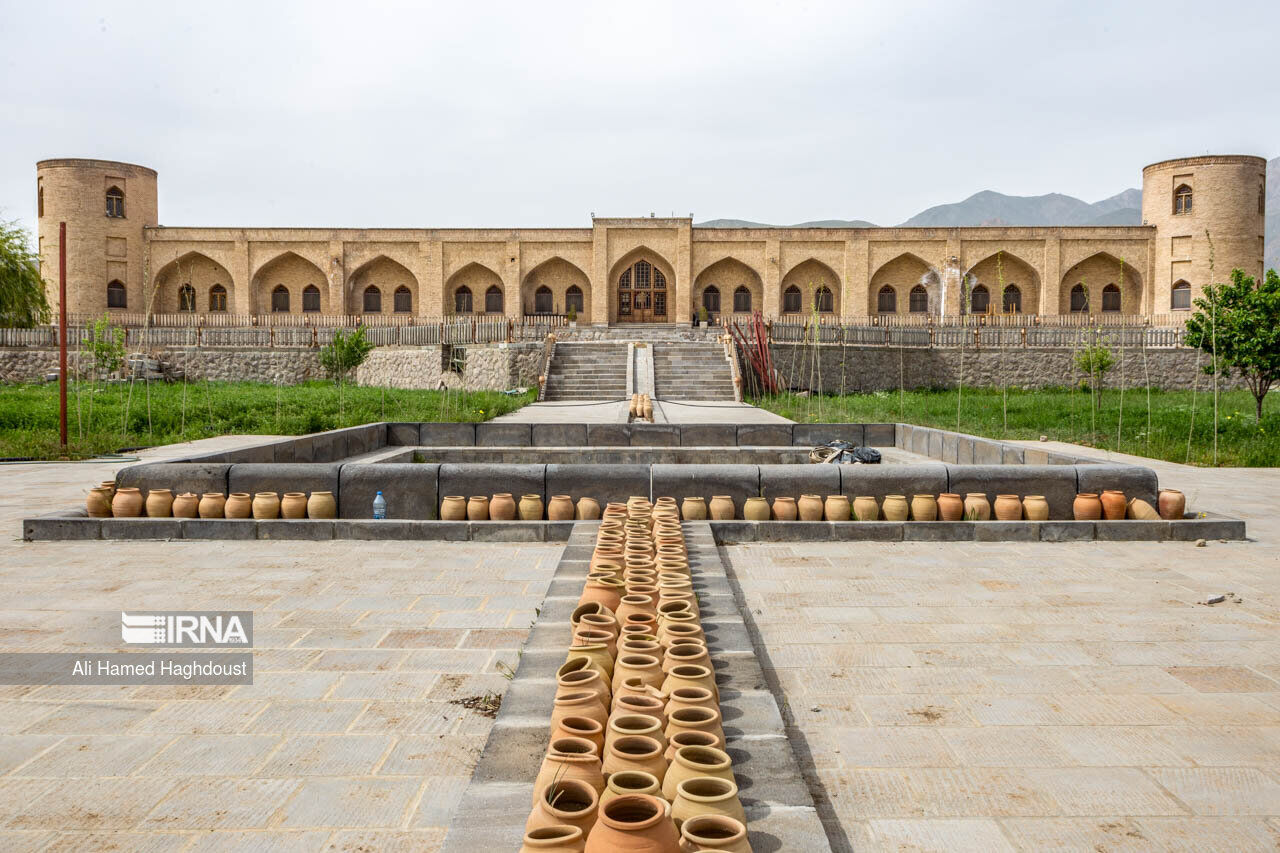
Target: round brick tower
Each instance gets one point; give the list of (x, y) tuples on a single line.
[(1196, 203), (106, 206)]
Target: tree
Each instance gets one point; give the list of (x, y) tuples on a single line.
[(345, 354), (22, 299), (1240, 321), (106, 346)]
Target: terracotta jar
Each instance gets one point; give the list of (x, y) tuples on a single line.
[(756, 509), (924, 508), (322, 505), (693, 761), (560, 508), (810, 508), (238, 505), (977, 507), (721, 508), (478, 508), (1142, 511), (597, 655), (601, 621), (575, 802), (1113, 504), (635, 752), (186, 505), (704, 795), (266, 505), (531, 508), (865, 508), (98, 503), (212, 505), (636, 823), (645, 667), (587, 679), (687, 651), (894, 508), (1008, 508), (1172, 504), (293, 505), (588, 509), (836, 508), (626, 782), (580, 727), (581, 703), (588, 607), (1086, 507), (569, 758), (696, 720), (714, 833), (646, 705), (690, 675), (127, 503), (950, 507), (690, 697), (635, 686), (502, 507), (633, 725), (784, 509), (453, 508), (607, 591), (159, 503), (634, 408), (561, 838), (1035, 508), (110, 486), (680, 740)]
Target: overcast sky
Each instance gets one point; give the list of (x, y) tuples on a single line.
[(536, 114)]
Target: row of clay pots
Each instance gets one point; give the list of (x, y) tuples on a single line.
[(503, 507), (641, 408), (161, 503)]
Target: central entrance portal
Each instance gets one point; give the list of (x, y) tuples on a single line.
[(642, 294)]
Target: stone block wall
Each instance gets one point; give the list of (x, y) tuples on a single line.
[(492, 367)]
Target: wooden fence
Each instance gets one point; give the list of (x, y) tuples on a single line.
[(1137, 334)]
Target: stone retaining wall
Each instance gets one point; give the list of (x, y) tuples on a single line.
[(492, 367)]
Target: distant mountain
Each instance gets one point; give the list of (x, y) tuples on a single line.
[(819, 223)]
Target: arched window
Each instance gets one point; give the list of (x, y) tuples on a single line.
[(117, 296), (1079, 299), (217, 298), (462, 300), (1012, 299), (39, 199), (493, 300), (824, 300), (1181, 297), (644, 274), (791, 300), (1110, 298), (280, 300), (542, 303), (311, 299), (918, 300), (573, 299), (372, 303), (115, 203), (402, 300), (711, 299), (186, 298), (742, 300), (1181, 201), (887, 300), (980, 300)]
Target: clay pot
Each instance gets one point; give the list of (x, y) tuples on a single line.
[(322, 505), (894, 508), (693, 509), (646, 409), (266, 505), (622, 725), (626, 782), (1035, 508), (127, 503), (582, 703), (1086, 507), (588, 509), (715, 833), (561, 838), (865, 508), (238, 505), (924, 508), (810, 508), (98, 503), (950, 507), (569, 758), (692, 761), (784, 509), (1008, 508), (579, 727), (293, 505), (645, 667), (186, 505), (597, 655), (646, 705), (575, 802), (634, 409), (977, 507), (560, 508), (756, 509), (635, 752), (721, 508), (212, 505), (1142, 511), (636, 823), (690, 697), (478, 508), (159, 503), (1172, 504), (680, 740), (706, 795), (607, 591), (836, 508), (696, 720), (109, 485), (584, 680), (690, 675), (601, 621), (1113, 504), (502, 507), (453, 508), (531, 508)]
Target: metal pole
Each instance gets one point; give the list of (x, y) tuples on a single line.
[(62, 333)]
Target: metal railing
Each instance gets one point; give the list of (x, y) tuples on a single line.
[(1150, 332)]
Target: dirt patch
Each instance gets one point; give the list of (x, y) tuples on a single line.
[(486, 705)]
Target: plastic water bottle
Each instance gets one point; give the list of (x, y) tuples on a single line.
[(379, 506)]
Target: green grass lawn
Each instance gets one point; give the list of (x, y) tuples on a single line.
[(1064, 415), (114, 417)]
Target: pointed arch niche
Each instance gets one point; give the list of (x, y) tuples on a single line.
[(1095, 273), (295, 274), (559, 277), (199, 271)]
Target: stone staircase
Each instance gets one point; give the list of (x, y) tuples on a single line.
[(691, 371), (588, 372)]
